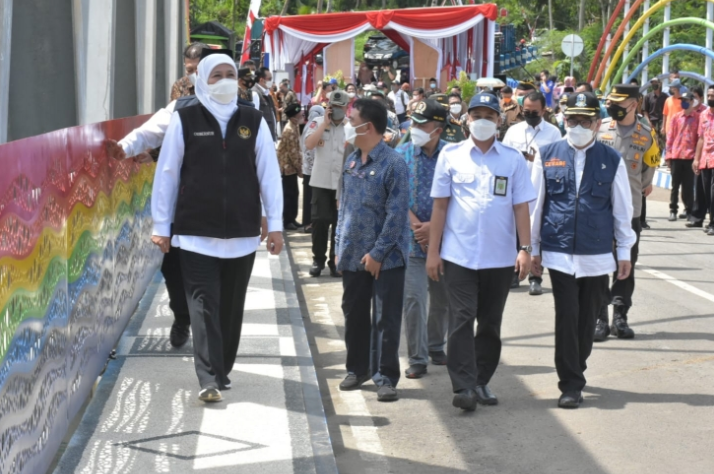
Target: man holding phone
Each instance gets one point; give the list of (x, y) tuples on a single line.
[(387, 76)]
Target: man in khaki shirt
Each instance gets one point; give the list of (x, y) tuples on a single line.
[(326, 135)]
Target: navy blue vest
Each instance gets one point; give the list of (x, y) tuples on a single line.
[(578, 222)]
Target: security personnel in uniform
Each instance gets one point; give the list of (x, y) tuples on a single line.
[(637, 144), (510, 111), (453, 129)]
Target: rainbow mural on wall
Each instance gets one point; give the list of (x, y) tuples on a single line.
[(75, 258)]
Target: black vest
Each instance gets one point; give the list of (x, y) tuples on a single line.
[(267, 107), (219, 192), (187, 100)]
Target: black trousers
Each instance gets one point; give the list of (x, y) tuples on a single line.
[(306, 200), (577, 305), (643, 214), (682, 176), (704, 196), (373, 323), (474, 295), (171, 269), (215, 290), (622, 290), (324, 215), (291, 195)]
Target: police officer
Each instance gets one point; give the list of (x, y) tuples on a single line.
[(579, 182), (453, 131), (326, 135), (637, 144), (510, 111)]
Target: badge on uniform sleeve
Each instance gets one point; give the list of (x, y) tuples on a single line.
[(501, 186), (313, 125), (244, 133)]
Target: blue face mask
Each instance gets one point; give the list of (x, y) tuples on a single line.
[(685, 105)]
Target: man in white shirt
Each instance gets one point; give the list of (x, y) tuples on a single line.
[(583, 204), (481, 191), (400, 99), (527, 137)]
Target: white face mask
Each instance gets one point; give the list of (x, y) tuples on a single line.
[(268, 84), (695, 103), (455, 109), (483, 129), (579, 136), (351, 132), (420, 137), (193, 78), (351, 95), (224, 91)]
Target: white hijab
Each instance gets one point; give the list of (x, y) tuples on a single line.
[(222, 112)]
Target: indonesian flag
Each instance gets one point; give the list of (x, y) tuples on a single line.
[(252, 15)]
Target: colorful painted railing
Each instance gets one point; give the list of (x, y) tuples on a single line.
[(75, 258)]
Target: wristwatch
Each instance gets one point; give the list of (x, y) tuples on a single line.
[(526, 248)]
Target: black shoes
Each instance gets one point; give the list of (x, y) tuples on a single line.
[(621, 329), (316, 269), (465, 399), (535, 289), (485, 396), (570, 400), (438, 358), (387, 393), (179, 334), (290, 226), (693, 224), (353, 382), (672, 217), (645, 225), (415, 371), (602, 330), (515, 283), (684, 215)]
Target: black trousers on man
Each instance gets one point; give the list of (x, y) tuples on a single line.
[(171, 269), (373, 323), (622, 290), (291, 195), (324, 215), (215, 290), (474, 295), (682, 176), (704, 197), (577, 305), (306, 200)]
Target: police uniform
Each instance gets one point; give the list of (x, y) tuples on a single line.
[(511, 114), (638, 148), (583, 204), (453, 128)]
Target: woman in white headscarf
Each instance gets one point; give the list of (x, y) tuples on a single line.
[(216, 162), (308, 158)]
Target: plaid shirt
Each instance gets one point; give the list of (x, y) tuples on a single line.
[(706, 133), (181, 88), (683, 136), (374, 210), (289, 153)]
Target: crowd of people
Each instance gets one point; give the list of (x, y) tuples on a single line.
[(429, 207)]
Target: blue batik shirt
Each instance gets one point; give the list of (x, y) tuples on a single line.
[(374, 210), (421, 175)]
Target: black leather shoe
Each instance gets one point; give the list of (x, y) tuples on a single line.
[(465, 399), (645, 226), (308, 229), (602, 330), (438, 357), (290, 226), (515, 283), (316, 269), (672, 217), (535, 289), (570, 400), (684, 215), (415, 371), (693, 224), (353, 382), (621, 329), (179, 334), (485, 396), (297, 224)]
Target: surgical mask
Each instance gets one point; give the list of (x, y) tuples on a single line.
[(420, 137), (268, 84), (338, 115), (351, 132), (482, 129), (532, 119), (579, 136), (617, 112), (685, 105), (193, 78), (351, 95), (455, 109), (223, 91), (520, 100), (432, 85), (695, 103)]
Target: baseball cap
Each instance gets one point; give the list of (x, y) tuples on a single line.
[(339, 97), (622, 92), (292, 110), (688, 96), (429, 110), (333, 81), (676, 83), (583, 103), (485, 99)]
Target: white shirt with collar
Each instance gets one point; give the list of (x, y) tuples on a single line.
[(150, 134), (480, 230), (165, 193), (400, 99), (523, 137), (585, 265)]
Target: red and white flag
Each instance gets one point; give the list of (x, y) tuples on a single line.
[(252, 15)]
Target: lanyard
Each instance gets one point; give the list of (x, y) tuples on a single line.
[(529, 143)]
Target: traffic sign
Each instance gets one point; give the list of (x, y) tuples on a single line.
[(572, 46)]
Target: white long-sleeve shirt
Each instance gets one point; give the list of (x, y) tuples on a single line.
[(150, 134), (586, 265), (166, 184)]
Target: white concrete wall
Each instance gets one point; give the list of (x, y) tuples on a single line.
[(145, 53), (5, 37)]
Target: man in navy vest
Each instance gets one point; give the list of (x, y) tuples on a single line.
[(583, 204)]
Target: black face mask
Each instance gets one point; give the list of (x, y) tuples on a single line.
[(248, 83), (710, 102), (655, 87), (616, 112), (532, 118)]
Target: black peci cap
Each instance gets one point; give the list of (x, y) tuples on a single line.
[(429, 110), (583, 103), (292, 110)]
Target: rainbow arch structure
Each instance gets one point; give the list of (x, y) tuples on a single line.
[(603, 68)]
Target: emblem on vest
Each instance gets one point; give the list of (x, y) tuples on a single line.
[(555, 162), (203, 134), (244, 132)]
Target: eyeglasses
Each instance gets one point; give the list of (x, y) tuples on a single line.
[(572, 123)]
